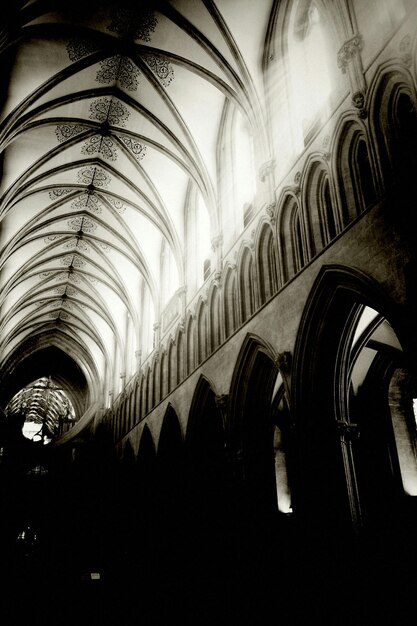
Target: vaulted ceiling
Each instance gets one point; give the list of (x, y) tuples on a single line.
[(110, 117)]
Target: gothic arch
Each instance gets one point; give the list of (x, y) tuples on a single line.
[(138, 406), (353, 170), (172, 374), (205, 447), (203, 405), (250, 428), (266, 263), (191, 348), (147, 476), (231, 309), (393, 123), (202, 331), (170, 469), (291, 237), (320, 395), (318, 210), (180, 353), (215, 319), (246, 273)]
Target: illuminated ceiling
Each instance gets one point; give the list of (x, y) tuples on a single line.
[(110, 121)]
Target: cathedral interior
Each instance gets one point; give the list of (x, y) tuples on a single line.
[(208, 300)]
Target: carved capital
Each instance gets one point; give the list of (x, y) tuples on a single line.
[(283, 361), (358, 101), (217, 277), (348, 51), (270, 211)]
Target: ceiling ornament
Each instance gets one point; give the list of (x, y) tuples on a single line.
[(109, 110), (61, 314), (100, 144), (160, 67), (72, 259), (46, 274), (68, 276), (104, 246), (132, 22), (64, 132), (119, 69), (94, 176), (82, 223), (62, 303), (87, 201), (78, 48), (79, 244), (136, 148), (117, 204), (58, 193)]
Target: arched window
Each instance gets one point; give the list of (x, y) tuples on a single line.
[(180, 357), (190, 345), (202, 332), (357, 190), (298, 242), (163, 375), (267, 264), (403, 150), (313, 208), (230, 302), (138, 401), (246, 279), (155, 382), (172, 365), (215, 321), (328, 220), (148, 390), (291, 239)]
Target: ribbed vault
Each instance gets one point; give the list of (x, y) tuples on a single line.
[(104, 154)]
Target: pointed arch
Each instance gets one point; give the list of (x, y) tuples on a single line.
[(354, 172), (251, 423), (205, 454), (181, 357), (215, 334), (202, 331), (246, 272), (394, 125), (231, 316), (328, 491), (267, 263), (191, 348), (319, 216), (291, 238)]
